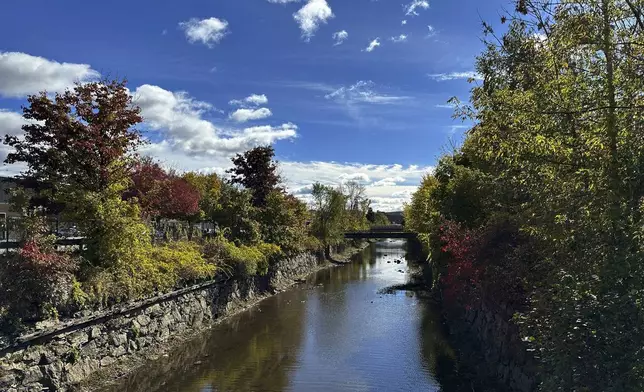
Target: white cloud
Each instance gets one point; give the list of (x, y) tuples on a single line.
[(10, 124), (207, 31), (339, 37), (252, 100), (389, 181), (311, 15), (388, 186), (358, 177), (363, 92), (404, 22), (442, 77), (392, 184), (410, 9), (400, 38), (243, 115), (372, 45), (256, 99), (179, 119), (432, 31), (22, 74)]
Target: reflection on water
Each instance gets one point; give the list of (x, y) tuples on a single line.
[(334, 333)]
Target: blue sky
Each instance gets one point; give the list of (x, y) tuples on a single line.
[(344, 89)]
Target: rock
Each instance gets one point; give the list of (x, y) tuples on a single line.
[(77, 339), (33, 354), (32, 375), (118, 351), (143, 320), (94, 333), (166, 320), (119, 340), (133, 346), (155, 311), (80, 370), (107, 361), (53, 371)]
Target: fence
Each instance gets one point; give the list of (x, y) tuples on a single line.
[(69, 237)]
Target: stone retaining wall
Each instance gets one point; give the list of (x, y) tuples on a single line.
[(489, 342), (61, 359)]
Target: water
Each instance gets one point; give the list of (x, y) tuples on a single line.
[(334, 333)]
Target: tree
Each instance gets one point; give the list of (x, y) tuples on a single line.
[(209, 187), (371, 216), (329, 214), (381, 219), (80, 138), (357, 205), (235, 215), (148, 186), (283, 221), (557, 152), (180, 199), (256, 170)]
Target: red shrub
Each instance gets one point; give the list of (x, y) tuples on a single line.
[(487, 262), (35, 281), (462, 280)]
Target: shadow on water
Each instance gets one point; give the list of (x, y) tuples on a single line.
[(251, 352), (336, 332)]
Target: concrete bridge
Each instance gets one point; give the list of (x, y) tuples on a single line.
[(389, 231)]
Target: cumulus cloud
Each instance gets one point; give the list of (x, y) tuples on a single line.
[(400, 38), (243, 115), (411, 8), (389, 181), (180, 121), (404, 22), (311, 15), (207, 31), (392, 185), (10, 124), (358, 177), (363, 92), (372, 45), (339, 37), (300, 176), (442, 77), (22, 74), (253, 100)]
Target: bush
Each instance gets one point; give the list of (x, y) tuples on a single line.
[(36, 282), (157, 269), (243, 259)]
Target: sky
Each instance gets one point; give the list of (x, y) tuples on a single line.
[(343, 89)]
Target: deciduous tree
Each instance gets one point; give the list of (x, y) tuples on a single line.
[(257, 171)]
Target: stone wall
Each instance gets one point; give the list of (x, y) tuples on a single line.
[(489, 343), (62, 358)]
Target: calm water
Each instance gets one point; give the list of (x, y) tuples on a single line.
[(334, 333)]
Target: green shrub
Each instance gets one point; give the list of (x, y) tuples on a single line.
[(245, 260), (157, 269)]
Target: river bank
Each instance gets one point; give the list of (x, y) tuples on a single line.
[(83, 354), (334, 332), (486, 341)]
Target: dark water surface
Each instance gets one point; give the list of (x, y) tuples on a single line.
[(334, 333)]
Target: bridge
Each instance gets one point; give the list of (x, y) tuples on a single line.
[(389, 231)]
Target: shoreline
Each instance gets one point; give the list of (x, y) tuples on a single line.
[(109, 377)]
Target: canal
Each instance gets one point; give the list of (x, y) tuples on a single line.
[(336, 332)]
